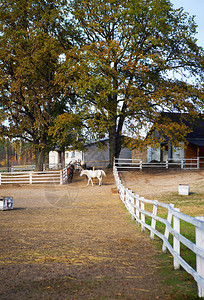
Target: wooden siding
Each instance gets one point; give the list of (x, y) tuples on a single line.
[(191, 151), (139, 154)]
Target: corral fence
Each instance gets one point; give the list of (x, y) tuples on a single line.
[(188, 163), (145, 212), (56, 177), (25, 175)]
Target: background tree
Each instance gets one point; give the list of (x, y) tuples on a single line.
[(33, 36), (67, 131), (122, 70)]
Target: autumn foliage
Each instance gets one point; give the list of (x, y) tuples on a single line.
[(112, 66)]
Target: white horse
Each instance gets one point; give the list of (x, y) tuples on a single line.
[(92, 174)]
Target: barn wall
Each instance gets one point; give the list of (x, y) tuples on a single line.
[(125, 153), (177, 153), (72, 155), (53, 158), (201, 155), (93, 153), (156, 154), (191, 151), (139, 154)]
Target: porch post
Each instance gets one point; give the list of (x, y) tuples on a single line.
[(198, 155)]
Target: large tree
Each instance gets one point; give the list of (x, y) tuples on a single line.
[(123, 71), (33, 37)]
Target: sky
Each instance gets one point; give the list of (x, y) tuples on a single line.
[(194, 8)]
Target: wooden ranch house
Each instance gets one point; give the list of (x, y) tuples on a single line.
[(193, 149)]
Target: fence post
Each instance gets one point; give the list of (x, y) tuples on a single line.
[(61, 177), (198, 163), (142, 214), (140, 164), (137, 211), (122, 194), (153, 223), (200, 260), (127, 200), (167, 164), (132, 203), (176, 242), (166, 233), (31, 178), (182, 164), (0, 178), (134, 206)]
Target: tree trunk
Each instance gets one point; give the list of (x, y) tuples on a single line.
[(39, 159), (46, 160), (115, 145), (118, 145)]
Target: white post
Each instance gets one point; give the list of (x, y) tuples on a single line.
[(127, 200), (200, 260), (132, 203), (140, 164), (137, 211), (142, 214), (167, 164), (166, 233), (198, 163), (176, 242), (134, 206), (153, 223), (0, 178), (61, 177), (31, 177), (122, 193)]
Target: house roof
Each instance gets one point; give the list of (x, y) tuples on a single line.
[(196, 136), (197, 142), (198, 130)]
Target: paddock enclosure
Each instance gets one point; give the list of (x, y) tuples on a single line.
[(77, 242)]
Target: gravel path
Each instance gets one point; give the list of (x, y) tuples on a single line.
[(74, 242)]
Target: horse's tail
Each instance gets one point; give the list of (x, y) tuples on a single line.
[(103, 173)]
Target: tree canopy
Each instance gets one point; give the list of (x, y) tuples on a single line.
[(111, 63), (34, 34), (121, 72)]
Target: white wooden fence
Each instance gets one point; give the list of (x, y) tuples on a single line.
[(32, 177), (188, 163), (138, 208)]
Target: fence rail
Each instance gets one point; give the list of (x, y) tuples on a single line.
[(187, 163), (31, 177), (138, 207)]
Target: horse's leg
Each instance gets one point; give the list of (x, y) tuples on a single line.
[(92, 182), (88, 181)]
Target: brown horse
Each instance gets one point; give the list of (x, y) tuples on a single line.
[(70, 173)]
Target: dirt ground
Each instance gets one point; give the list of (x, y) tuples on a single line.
[(163, 185), (77, 242)]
